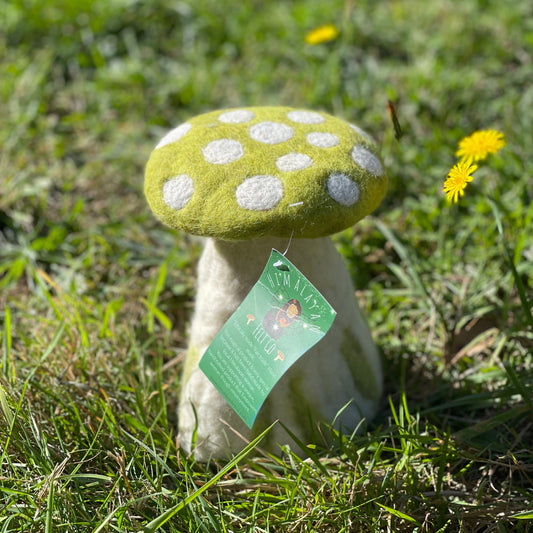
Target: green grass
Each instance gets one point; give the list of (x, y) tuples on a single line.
[(95, 295)]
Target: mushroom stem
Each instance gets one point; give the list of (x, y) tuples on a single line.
[(341, 372)]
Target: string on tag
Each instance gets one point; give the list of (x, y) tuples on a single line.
[(288, 245)]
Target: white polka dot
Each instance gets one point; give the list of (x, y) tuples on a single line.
[(236, 116), (259, 193), (342, 189), (223, 151), (271, 132), (178, 191), (362, 132), (322, 140), (174, 135), (366, 159), (305, 117), (293, 161)]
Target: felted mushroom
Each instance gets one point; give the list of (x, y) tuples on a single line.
[(248, 179)]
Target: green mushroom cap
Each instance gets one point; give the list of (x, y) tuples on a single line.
[(264, 171)]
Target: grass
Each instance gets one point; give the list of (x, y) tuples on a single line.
[(95, 295)]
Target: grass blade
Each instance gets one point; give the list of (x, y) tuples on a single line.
[(399, 514), (8, 369), (517, 279), (166, 516)]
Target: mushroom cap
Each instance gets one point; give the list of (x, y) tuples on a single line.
[(242, 173)]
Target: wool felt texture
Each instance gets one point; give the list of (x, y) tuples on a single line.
[(245, 173), (341, 375)]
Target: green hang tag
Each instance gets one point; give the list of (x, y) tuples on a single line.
[(282, 316)]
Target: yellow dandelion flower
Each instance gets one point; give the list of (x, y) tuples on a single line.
[(457, 180), (480, 144), (322, 34)]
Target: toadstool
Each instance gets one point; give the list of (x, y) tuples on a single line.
[(248, 179)]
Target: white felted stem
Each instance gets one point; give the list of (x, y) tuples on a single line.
[(341, 372)]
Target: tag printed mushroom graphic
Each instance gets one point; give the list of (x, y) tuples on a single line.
[(280, 356), (248, 179)]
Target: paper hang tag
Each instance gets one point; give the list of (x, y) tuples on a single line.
[(281, 318)]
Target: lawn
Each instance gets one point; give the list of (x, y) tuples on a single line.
[(96, 294)]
